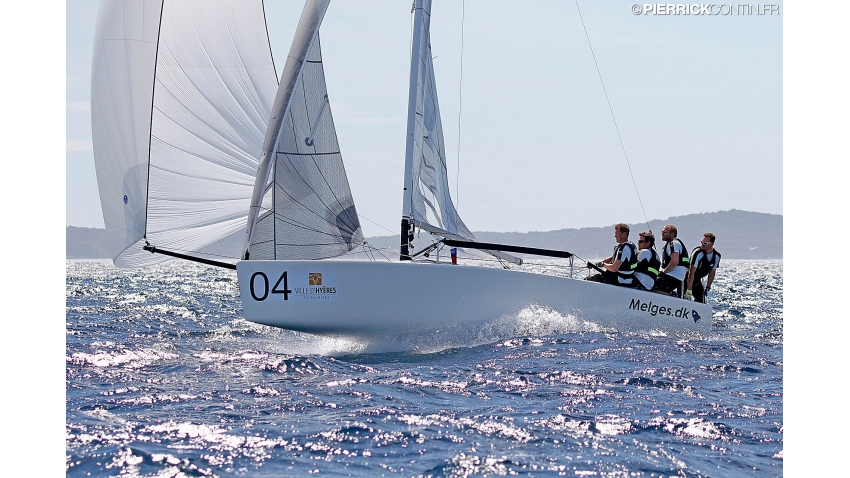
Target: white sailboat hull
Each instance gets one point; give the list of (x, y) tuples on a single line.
[(360, 298)]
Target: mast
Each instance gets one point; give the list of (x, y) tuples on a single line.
[(407, 204)]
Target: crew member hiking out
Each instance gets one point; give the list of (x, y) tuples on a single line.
[(648, 262), (674, 262), (619, 268), (704, 264)]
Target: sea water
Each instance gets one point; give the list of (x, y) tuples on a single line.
[(164, 378)]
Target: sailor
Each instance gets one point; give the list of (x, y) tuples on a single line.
[(648, 262), (618, 269), (704, 263), (674, 262)]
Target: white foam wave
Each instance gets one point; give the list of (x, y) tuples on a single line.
[(533, 321), (127, 358)]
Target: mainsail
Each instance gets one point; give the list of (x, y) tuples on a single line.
[(181, 96), (302, 206), (428, 202), (432, 208)]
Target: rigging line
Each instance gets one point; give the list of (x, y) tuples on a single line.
[(366, 251), (375, 249), (375, 223), (610, 108), (391, 249), (460, 106), (356, 252), (268, 39), (410, 42), (150, 126)]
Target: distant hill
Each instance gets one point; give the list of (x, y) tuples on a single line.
[(85, 243), (740, 235)]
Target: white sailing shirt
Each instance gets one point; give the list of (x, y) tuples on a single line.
[(679, 271), (645, 280)]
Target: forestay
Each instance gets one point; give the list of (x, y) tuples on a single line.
[(181, 96), (302, 206)]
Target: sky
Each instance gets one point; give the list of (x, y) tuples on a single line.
[(697, 101)]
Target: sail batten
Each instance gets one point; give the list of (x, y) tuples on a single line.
[(181, 96)]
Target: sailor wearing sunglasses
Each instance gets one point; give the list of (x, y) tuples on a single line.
[(704, 262)]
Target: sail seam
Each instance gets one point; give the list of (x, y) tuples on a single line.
[(309, 154), (296, 223), (318, 45), (295, 170), (310, 204)]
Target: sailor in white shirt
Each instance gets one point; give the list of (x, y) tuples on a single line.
[(619, 267), (648, 262), (705, 260), (674, 262)]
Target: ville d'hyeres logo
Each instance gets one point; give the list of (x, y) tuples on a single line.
[(655, 309), (320, 286)]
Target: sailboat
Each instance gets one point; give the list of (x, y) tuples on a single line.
[(195, 140)]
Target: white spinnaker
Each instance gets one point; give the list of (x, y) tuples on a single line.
[(181, 95), (302, 206), (431, 202)]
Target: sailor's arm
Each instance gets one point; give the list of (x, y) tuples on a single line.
[(691, 278), (674, 261), (608, 260), (710, 279), (613, 267)]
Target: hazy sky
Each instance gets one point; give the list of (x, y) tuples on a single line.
[(698, 101)]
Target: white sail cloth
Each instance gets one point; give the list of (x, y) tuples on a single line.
[(302, 206), (431, 201), (181, 96)]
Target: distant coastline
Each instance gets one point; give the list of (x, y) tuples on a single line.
[(740, 235)]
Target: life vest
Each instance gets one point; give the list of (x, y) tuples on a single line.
[(650, 267), (627, 266), (704, 264), (683, 256)]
